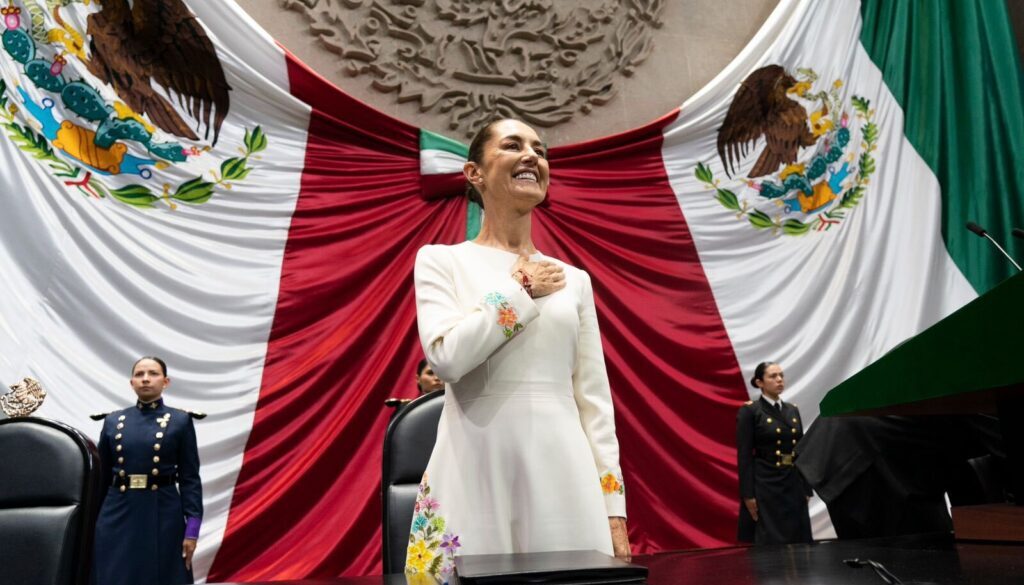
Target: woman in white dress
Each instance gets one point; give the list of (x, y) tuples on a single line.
[(526, 458)]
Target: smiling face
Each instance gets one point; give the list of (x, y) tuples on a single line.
[(148, 380), (513, 167), (773, 382)]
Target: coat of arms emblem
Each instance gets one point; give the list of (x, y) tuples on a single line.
[(118, 98), (816, 156), (24, 398)]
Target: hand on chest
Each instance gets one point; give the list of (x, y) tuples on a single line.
[(559, 311)]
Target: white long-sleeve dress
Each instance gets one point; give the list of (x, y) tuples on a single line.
[(526, 458)]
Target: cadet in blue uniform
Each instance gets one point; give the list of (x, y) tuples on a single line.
[(773, 494), (149, 522)]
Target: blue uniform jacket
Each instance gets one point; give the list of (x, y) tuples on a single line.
[(766, 444), (151, 465)]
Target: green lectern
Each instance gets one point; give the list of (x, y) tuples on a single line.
[(970, 362)]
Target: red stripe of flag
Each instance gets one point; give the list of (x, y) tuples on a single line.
[(674, 376), (306, 503), (343, 340)]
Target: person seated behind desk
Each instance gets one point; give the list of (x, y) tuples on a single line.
[(426, 380)]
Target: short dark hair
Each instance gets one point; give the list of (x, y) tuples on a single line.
[(759, 372), (422, 366), (163, 366)]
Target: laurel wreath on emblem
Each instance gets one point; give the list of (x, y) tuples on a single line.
[(93, 143), (813, 195), (541, 61)]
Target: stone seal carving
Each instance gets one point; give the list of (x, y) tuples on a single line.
[(537, 60)]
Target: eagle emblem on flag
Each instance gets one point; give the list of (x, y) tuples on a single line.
[(118, 99), (814, 152)]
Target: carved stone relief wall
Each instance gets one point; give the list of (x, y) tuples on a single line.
[(576, 69), (536, 60)]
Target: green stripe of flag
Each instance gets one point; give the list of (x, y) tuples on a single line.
[(953, 68), (439, 152), (474, 217), (431, 141)]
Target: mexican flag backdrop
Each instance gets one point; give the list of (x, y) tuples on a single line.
[(234, 213)]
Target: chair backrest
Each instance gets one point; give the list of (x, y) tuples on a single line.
[(408, 443), (49, 497)]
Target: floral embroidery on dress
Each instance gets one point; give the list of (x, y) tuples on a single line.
[(431, 548), (508, 318), (611, 483)]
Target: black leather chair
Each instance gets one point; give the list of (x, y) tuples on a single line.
[(408, 443), (49, 497)]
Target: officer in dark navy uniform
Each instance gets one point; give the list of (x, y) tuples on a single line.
[(773, 494), (150, 518)]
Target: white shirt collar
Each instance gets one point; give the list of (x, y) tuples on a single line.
[(772, 402)]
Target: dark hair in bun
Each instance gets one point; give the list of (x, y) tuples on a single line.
[(759, 372)]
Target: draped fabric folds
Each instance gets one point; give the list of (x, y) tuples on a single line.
[(273, 268), (343, 340), (953, 66), (613, 213)]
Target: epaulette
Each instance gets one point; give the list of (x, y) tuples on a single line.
[(100, 415), (196, 414)]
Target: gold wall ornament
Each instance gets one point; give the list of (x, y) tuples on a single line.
[(537, 60), (24, 398)]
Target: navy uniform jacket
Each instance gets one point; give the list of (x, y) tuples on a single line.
[(766, 441), (151, 465)]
